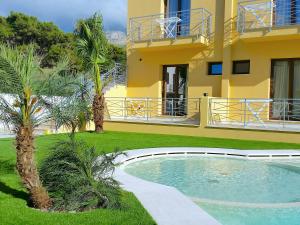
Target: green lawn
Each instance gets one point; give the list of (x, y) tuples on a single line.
[(13, 209)]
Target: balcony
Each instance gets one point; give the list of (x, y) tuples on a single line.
[(268, 20), (174, 29), (257, 114), (176, 111)]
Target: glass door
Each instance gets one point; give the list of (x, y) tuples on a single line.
[(174, 90), (285, 89), (181, 10)]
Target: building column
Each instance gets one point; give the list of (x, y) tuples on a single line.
[(229, 24)]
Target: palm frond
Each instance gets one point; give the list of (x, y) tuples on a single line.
[(92, 46), (9, 114), (10, 78), (69, 175)]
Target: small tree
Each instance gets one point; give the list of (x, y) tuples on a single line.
[(20, 75), (76, 178), (69, 111), (92, 47)]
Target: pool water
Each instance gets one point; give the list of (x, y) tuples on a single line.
[(234, 191)]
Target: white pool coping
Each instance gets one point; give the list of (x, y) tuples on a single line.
[(167, 205)]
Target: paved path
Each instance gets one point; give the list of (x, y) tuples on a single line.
[(6, 136)]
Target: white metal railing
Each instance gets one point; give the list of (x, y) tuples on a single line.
[(267, 14), (270, 114), (154, 110), (195, 22), (116, 75)]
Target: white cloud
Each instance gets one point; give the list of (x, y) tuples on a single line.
[(65, 12)]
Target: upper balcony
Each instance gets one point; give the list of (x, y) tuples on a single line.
[(179, 28), (268, 20)]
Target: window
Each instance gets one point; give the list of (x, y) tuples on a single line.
[(215, 68), (286, 12), (241, 67)]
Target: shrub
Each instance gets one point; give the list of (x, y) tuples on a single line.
[(77, 179)]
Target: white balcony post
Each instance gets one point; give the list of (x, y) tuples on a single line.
[(199, 110), (245, 112), (172, 105), (209, 29), (152, 18), (284, 112), (202, 23), (147, 108), (125, 108)]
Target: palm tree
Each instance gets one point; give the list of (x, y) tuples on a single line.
[(21, 76), (83, 92), (92, 47)]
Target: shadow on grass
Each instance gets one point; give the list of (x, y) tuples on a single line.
[(8, 167), (13, 192)]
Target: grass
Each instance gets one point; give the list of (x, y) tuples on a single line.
[(13, 208)]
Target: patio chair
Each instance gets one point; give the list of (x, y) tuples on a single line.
[(260, 12)]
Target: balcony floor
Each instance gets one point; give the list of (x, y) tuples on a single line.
[(270, 125), (156, 120), (165, 44)]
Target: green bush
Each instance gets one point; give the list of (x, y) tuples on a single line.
[(77, 179)]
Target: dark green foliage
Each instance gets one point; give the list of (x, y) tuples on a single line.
[(5, 30), (19, 29), (115, 54), (77, 179)]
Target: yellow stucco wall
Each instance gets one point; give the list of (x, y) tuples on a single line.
[(257, 83), (146, 60), (145, 76), (204, 132), (116, 91), (145, 65), (260, 47)]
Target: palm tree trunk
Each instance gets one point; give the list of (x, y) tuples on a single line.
[(27, 168), (83, 122), (98, 111)]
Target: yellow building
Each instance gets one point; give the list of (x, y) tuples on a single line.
[(219, 68)]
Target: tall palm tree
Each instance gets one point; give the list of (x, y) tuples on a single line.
[(92, 47), (20, 75)]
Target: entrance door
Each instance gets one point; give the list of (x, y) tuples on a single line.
[(285, 83), (174, 90)]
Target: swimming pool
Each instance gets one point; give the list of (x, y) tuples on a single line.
[(234, 191)]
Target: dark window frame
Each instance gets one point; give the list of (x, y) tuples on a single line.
[(235, 62), (209, 68)]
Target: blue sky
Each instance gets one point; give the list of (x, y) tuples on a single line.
[(64, 13)]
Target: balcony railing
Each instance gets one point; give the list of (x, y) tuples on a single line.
[(184, 111), (269, 14), (266, 114), (195, 22)]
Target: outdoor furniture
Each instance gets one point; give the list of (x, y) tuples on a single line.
[(169, 26), (256, 112), (259, 11)]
